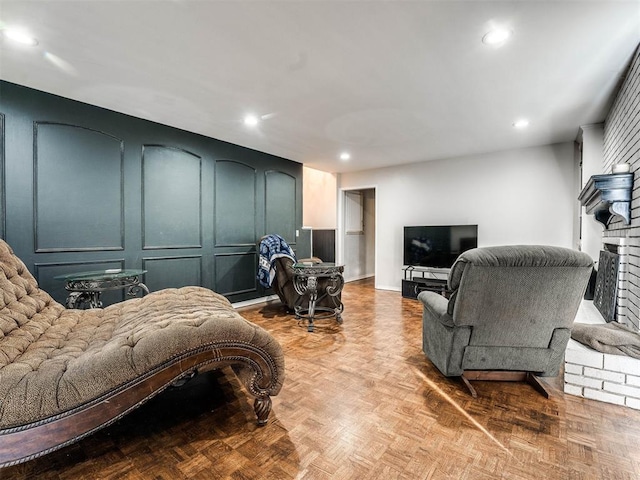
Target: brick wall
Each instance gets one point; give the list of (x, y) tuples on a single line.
[(589, 373), (600, 376), (622, 145), (603, 377)]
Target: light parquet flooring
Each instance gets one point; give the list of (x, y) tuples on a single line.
[(360, 400)]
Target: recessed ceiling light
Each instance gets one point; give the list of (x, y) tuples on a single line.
[(251, 120), (345, 156), (522, 123), (21, 36), (496, 37)]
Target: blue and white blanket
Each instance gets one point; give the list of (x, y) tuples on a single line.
[(272, 247)]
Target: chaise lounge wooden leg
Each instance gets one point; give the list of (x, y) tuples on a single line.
[(262, 407)]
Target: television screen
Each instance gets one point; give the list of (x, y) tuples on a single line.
[(437, 246)]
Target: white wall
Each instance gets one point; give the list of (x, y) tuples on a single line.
[(318, 199), (524, 196), (592, 140)]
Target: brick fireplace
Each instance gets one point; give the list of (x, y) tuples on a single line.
[(589, 373), (620, 247), (600, 376), (596, 375), (621, 145)]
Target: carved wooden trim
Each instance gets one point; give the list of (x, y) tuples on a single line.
[(25, 442)]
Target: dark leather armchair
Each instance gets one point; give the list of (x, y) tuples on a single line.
[(283, 280), (509, 314)]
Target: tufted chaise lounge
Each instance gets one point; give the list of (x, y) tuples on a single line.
[(66, 373)]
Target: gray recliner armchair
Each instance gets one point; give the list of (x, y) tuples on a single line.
[(509, 313)]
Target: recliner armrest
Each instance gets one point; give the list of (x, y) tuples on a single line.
[(435, 305)]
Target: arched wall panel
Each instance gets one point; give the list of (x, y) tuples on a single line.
[(77, 170), (280, 205), (171, 198), (235, 203)]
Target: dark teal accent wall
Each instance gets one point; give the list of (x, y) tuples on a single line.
[(2, 187), (85, 188)]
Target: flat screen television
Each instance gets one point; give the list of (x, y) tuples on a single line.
[(437, 246)]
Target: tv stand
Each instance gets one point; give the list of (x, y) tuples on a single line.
[(418, 279)]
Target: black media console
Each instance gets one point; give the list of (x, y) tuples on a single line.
[(412, 285)]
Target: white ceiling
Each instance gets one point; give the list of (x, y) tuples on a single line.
[(392, 82)]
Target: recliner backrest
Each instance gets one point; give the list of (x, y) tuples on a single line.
[(517, 295)]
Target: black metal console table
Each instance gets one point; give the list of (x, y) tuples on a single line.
[(305, 280), (416, 281), (86, 287)]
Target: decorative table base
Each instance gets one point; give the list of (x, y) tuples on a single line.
[(305, 282), (86, 287)]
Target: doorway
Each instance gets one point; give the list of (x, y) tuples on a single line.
[(357, 249)]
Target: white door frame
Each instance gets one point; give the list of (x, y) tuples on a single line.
[(341, 230)]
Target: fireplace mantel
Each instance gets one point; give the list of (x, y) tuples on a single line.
[(608, 195)]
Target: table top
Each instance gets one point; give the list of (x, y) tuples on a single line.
[(109, 274), (316, 267)]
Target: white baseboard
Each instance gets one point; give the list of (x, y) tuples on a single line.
[(359, 277), (387, 287), (255, 301), (272, 298)]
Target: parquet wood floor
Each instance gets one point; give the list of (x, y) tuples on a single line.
[(360, 401)]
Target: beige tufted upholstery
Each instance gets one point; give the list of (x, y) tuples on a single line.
[(53, 360)]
